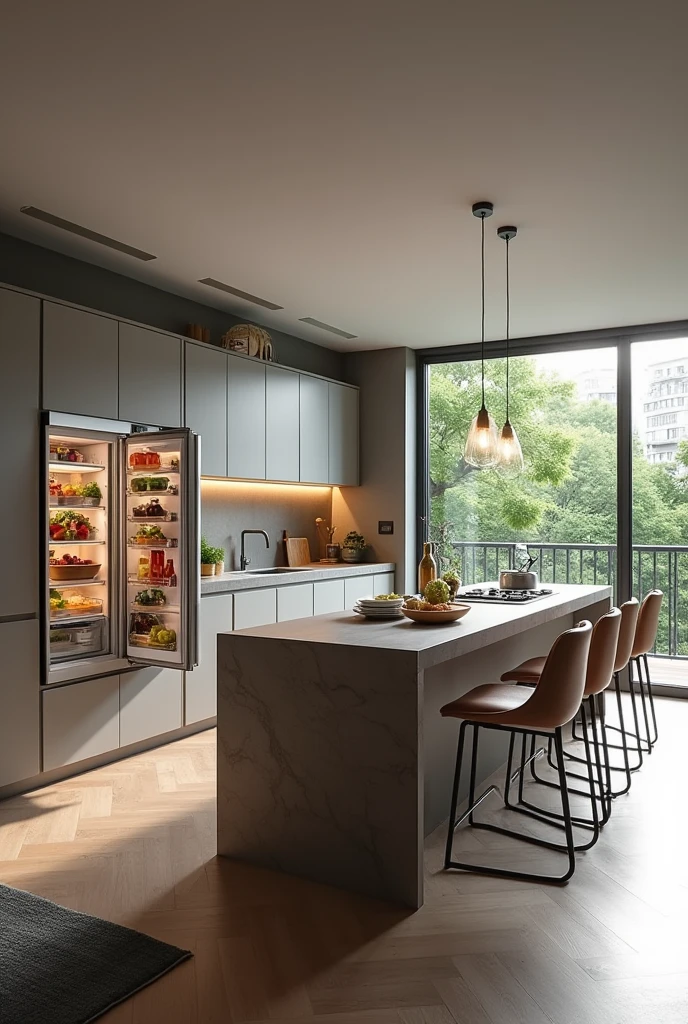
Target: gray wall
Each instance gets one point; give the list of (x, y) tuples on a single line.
[(228, 507), (386, 378), (42, 270)]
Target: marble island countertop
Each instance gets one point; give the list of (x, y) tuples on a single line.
[(433, 644), (231, 581)]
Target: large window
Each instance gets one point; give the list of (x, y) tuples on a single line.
[(588, 519)]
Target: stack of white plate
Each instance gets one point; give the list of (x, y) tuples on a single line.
[(374, 609)]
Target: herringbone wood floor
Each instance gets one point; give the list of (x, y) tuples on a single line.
[(134, 843)]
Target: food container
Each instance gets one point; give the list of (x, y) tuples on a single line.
[(85, 634), (513, 579), (74, 572)]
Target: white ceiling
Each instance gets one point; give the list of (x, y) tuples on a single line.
[(325, 155)]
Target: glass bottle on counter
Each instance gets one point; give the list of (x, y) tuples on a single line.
[(427, 570)]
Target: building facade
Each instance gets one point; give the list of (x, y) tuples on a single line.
[(665, 409), (597, 385)]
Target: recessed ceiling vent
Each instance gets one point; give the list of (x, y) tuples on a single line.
[(92, 236), (212, 283), (327, 327)]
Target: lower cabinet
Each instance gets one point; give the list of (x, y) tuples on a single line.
[(201, 683), (383, 583), (255, 608), (356, 587), (295, 602), (328, 596), (20, 745), (150, 703), (80, 721)]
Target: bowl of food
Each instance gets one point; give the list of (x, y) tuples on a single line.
[(73, 569), (435, 605)]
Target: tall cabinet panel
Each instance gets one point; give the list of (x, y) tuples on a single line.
[(80, 363), (20, 326), (245, 418), (343, 439), (19, 713), (150, 377), (206, 404), (282, 424), (314, 430)]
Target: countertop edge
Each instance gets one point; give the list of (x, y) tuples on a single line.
[(229, 583)]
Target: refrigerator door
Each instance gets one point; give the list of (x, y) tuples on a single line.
[(160, 547)]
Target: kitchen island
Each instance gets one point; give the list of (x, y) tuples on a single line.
[(333, 760)]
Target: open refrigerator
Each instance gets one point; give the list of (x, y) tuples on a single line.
[(121, 560)]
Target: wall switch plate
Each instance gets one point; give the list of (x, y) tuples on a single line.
[(385, 526)]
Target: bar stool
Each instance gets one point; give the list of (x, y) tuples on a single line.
[(528, 673), (542, 711), (645, 637), (600, 669)]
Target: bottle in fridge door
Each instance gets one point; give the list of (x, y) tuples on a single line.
[(162, 513)]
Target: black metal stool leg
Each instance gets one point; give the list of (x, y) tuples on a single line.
[(651, 699), (644, 701), (624, 745), (455, 794)]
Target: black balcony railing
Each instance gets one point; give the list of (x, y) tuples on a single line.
[(663, 568)]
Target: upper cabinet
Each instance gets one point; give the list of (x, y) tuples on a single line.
[(343, 434), (281, 424), (314, 430), (80, 366), (150, 377), (206, 404), (245, 418)]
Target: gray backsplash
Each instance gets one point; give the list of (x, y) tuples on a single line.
[(227, 508)]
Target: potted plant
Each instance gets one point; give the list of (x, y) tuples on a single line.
[(219, 561), (207, 558), (91, 493), (353, 547)]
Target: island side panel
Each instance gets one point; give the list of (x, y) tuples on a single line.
[(318, 763), (446, 682)]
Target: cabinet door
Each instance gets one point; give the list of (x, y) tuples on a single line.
[(80, 721), (295, 602), (383, 583), (356, 587), (328, 596), (201, 683), (205, 404), (150, 703), (20, 341), (150, 377), (255, 608), (281, 424), (343, 434), (314, 430), (19, 694), (245, 419), (80, 363)]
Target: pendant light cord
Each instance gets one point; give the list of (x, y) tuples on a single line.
[(482, 316), (508, 312)]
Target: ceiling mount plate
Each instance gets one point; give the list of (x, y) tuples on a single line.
[(483, 209), (507, 232)]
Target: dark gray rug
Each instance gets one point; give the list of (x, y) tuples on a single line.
[(61, 967)]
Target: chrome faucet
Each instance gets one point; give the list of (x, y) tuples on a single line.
[(244, 562)]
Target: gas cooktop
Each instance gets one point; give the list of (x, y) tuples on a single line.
[(493, 595)]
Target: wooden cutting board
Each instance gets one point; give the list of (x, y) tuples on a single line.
[(298, 551)]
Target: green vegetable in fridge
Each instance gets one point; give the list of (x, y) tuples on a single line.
[(92, 490), (436, 592)]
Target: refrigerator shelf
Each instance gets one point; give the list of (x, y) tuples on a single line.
[(169, 517), (72, 584), (146, 581), (154, 609), (71, 506), (147, 544), (75, 467), (66, 543), (153, 471), (171, 492), (141, 640), (64, 615)]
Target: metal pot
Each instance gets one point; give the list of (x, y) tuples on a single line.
[(512, 579)]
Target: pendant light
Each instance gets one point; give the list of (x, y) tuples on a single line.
[(482, 441), (510, 456)]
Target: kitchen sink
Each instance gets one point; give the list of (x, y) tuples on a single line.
[(276, 571)]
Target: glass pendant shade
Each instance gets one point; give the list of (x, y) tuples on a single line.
[(510, 456), (482, 442)]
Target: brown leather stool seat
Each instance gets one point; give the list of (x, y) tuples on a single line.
[(540, 711), (527, 672)]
